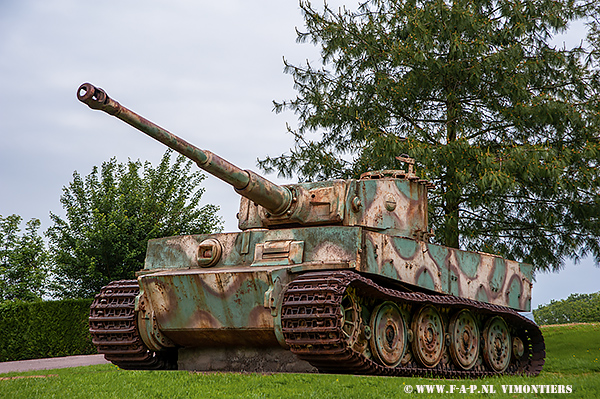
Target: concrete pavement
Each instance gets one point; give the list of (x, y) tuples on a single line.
[(51, 363)]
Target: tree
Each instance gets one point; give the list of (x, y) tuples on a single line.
[(502, 121), (113, 212), (577, 308), (23, 260)]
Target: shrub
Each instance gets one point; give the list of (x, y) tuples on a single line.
[(32, 330)]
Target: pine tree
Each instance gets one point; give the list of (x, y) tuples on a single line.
[(502, 121)]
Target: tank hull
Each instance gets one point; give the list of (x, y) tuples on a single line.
[(238, 300), (247, 298)]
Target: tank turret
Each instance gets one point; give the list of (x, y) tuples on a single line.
[(394, 201), (338, 276)]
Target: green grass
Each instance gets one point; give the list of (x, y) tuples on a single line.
[(572, 348), (573, 359)]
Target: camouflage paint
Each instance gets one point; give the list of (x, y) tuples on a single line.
[(320, 245), (472, 275), (202, 307), (224, 289), (236, 300), (397, 207)]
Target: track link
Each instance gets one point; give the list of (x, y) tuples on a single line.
[(113, 326), (312, 324)]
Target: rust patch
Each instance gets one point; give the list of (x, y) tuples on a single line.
[(204, 320), (162, 297), (329, 251), (222, 288), (260, 317)]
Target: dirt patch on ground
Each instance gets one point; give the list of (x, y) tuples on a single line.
[(27, 376)]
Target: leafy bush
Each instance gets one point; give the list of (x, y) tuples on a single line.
[(113, 212), (577, 308), (31, 330), (23, 260)]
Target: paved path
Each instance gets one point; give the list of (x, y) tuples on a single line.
[(51, 363)]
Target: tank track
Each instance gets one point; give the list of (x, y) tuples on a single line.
[(312, 323), (113, 326)]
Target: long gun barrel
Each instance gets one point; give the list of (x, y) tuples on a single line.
[(274, 198)]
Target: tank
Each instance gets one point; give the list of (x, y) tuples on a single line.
[(339, 273)]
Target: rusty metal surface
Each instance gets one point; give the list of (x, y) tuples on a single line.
[(211, 309), (322, 244), (477, 276), (312, 251), (474, 275), (464, 339), (313, 321), (391, 205)]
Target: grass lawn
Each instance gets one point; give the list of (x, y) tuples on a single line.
[(572, 364)]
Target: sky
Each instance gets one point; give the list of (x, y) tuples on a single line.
[(207, 71)]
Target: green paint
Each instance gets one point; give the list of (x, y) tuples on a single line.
[(499, 274), (389, 270), (405, 247), (527, 270), (230, 311), (453, 283), (482, 295), (425, 280), (368, 190), (468, 262), (370, 264), (514, 295), (368, 194), (438, 254), (404, 186)]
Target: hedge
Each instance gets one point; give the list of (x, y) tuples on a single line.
[(33, 330)]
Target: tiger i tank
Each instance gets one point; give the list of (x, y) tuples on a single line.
[(339, 273)]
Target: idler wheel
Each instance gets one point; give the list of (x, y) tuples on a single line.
[(428, 344), (352, 322), (388, 334), (464, 339), (497, 344)]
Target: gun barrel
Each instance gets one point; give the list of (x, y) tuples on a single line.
[(275, 198)]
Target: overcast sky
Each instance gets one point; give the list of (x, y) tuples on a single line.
[(207, 71)]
